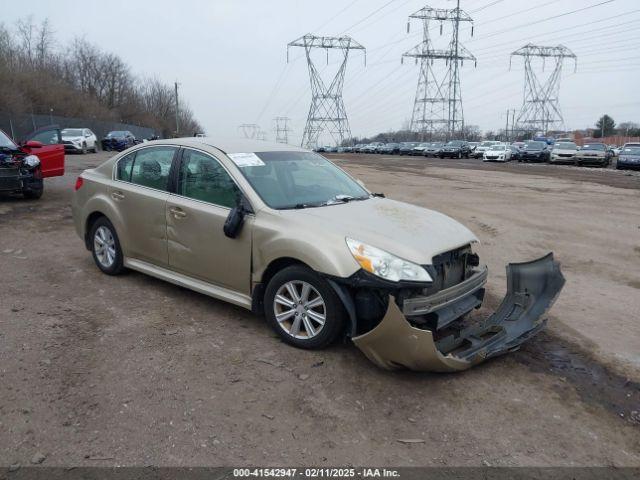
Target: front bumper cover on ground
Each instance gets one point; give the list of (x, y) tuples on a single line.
[(532, 288)]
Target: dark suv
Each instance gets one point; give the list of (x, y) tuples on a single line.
[(535, 151), (455, 149)]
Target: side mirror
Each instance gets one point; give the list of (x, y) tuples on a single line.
[(33, 144), (233, 224)]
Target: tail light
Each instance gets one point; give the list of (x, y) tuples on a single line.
[(79, 182)]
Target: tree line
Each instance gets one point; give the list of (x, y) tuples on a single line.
[(79, 79)]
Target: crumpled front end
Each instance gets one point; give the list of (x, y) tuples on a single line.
[(395, 343)]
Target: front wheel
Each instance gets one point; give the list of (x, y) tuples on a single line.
[(105, 247), (303, 308), (34, 191)]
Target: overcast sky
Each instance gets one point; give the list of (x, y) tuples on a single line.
[(230, 55)]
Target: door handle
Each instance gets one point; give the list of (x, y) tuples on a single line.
[(177, 212), (117, 196)]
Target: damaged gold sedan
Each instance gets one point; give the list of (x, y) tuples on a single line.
[(284, 232)]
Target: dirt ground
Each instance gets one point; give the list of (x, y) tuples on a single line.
[(97, 370)]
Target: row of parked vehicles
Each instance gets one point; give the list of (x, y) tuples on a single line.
[(540, 150), (26, 161), (83, 140)]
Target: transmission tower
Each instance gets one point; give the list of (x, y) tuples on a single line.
[(540, 109), (249, 130), (282, 129), (437, 108), (327, 112)]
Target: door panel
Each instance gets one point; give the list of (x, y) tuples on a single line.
[(141, 198), (195, 219), (198, 246), (51, 154)]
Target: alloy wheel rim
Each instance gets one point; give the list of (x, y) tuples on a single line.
[(104, 245), (300, 310)]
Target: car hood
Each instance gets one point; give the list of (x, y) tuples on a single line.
[(563, 151), (593, 153), (629, 157), (495, 152), (407, 231)]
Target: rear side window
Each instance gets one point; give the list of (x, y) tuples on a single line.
[(125, 165), (203, 178), (151, 167)]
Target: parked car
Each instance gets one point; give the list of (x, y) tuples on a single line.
[(293, 236), (473, 146), (79, 140), (370, 148), (515, 152), (563, 152), (483, 147), (118, 141), (629, 157), (389, 148), (330, 149), (24, 165), (358, 147), (535, 151), (406, 147), (419, 148), (497, 153), (432, 149), (594, 154), (455, 149)]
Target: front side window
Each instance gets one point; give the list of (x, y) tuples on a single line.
[(202, 178), (47, 137), (300, 179), (6, 142), (151, 167)]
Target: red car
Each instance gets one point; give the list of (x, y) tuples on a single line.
[(24, 165)]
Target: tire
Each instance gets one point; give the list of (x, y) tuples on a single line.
[(100, 228), (34, 193), (84, 148), (301, 278), (95, 147), (459, 155)]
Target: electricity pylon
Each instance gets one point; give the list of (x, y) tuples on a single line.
[(249, 130), (540, 109), (327, 112), (437, 108), (282, 129)]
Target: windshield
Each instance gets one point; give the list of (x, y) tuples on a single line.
[(72, 132), (565, 146), (6, 142), (631, 151), (454, 143), (498, 147), (594, 146), (486, 144), (535, 145), (116, 134), (300, 179)]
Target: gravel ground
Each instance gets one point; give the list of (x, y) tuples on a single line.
[(97, 370)]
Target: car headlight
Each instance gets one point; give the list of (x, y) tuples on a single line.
[(385, 265), (31, 161)]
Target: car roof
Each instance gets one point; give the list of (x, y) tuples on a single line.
[(233, 145)]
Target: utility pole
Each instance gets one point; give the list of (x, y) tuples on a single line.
[(177, 110), (506, 128), (327, 112), (437, 108), (282, 129), (540, 107)]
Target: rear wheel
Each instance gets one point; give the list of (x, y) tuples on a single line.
[(303, 308), (105, 247)]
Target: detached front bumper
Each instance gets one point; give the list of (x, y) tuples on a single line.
[(532, 288)]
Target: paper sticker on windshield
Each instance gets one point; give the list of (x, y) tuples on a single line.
[(246, 159)]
